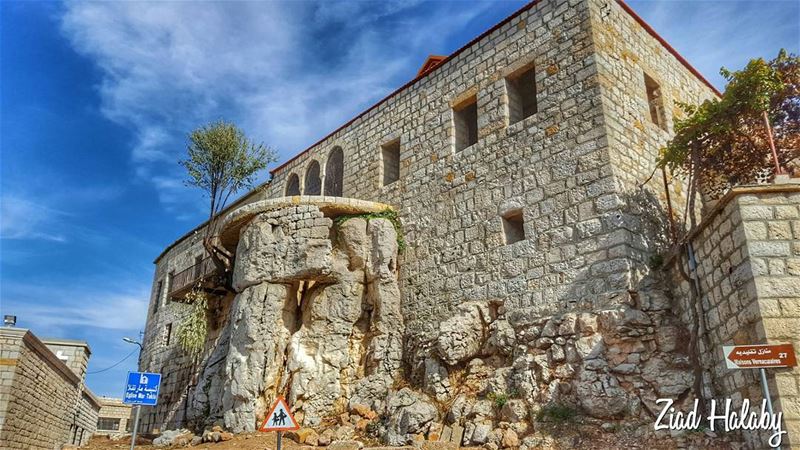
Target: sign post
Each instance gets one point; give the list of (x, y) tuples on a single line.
[(761, 357), (279, 419), (141, 389)]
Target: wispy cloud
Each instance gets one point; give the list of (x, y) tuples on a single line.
[(288, 72), (57, 310), (21, 218), (45, 214)]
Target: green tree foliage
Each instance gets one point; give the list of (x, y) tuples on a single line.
[(222, 161), (724, 142)]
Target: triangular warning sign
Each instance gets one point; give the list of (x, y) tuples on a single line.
[(279, 418)]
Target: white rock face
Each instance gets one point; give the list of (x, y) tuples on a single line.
[(317, 319)]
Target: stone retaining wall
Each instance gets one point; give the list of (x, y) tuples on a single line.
[(43, 403), (748, 255)]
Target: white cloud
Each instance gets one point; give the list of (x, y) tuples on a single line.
[(21, 218), (41, 213), (52, 310), (287, 72)]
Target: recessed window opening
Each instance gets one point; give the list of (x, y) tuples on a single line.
[(334, 173), (655, 101), (513, 226), (293, 185), (313, 185), (390, 154), (465, 119), (521, 88)]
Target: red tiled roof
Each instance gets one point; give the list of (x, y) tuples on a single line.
[(423, 73), (430, 62)]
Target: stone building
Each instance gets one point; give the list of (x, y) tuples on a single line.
[(114, 417), (519, 167), (44, 402)]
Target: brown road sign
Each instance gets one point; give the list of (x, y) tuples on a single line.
[(759, 356)]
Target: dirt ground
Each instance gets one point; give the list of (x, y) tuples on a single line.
[(568, 436)]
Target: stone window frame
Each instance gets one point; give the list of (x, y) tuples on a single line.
[(167, 334), (513, 226), (105, 420), (389, 141), (511, 75), (458, 104), (654, 100), (309, 166), (292, 176), (158, 295), (329, 175)]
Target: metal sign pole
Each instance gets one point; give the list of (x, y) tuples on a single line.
[(135, 426), (765, 388), (280, 435)]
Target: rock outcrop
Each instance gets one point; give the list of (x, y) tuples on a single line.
[(317, 311)]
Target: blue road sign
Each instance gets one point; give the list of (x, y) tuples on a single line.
[(142, 388)]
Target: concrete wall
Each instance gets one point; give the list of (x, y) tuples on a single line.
[(748, 253), (43, 403)]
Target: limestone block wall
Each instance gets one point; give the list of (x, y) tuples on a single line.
[(748, 253), (567, 170), (628, 52), (552, 166), (36, 388), (75, 354), (113, 408)]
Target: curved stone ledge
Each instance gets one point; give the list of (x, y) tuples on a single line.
[(330, 207)]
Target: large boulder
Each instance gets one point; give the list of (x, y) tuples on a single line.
[(600, 394), (409, 413), (462, 336)]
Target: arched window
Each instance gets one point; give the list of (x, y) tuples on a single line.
[(313, 185), (293, 185), (334, 173)]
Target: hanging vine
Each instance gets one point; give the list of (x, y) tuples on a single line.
[(193, 331)]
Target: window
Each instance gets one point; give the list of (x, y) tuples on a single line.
[(107, 423), (521, 88), (513, 227), (167, 333), (465, 119), (390, 153), (157, 300), (313, 185), (170, 279), (655, 102), (334, 173), (293, 185)]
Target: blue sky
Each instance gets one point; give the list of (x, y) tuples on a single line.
[(97, 99)]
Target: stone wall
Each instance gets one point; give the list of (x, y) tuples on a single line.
[(43, 403), (114, 409), (568, 169), (75, 354), (748, 266), (627, 52)]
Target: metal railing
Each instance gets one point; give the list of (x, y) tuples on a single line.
[(184, 280)]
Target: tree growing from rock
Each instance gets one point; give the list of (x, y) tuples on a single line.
[(725, 141), (222, 161)]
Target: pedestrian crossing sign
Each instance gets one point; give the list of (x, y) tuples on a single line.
[(279, 418)]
